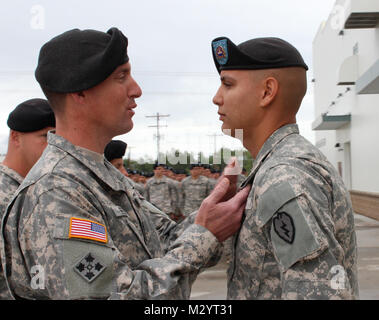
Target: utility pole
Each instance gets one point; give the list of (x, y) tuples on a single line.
[(129, 148), (215, 135), (158, 117)]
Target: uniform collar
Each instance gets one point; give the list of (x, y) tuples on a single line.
[(11, 173), (268, 146), (200, 179), (159, 180), (94, 161)]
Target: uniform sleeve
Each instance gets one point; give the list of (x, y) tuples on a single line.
[(183, 196), (209, 187), (308, 265), (167, 229), (80, 267), (174, 196), (146, 193)]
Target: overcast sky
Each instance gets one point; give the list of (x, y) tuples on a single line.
[(169, 50)]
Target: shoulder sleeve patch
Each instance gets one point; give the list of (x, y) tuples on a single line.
[(295, 234), (88, 269)]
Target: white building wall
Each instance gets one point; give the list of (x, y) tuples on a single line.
[(359, 165)]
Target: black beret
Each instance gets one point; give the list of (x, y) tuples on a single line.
[(196, 165), (78, 60), (31, 115), (115, 149), (156, 165), (255, 54)]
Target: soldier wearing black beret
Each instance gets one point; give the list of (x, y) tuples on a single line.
[(113, 152), (91, 234), (299, 222), (28, 124)]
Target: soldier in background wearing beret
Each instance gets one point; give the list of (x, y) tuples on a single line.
[(113, 152), (29, 123), (76, 229), (297, 240)]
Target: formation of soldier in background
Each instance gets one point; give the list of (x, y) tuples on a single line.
[(175, 192)]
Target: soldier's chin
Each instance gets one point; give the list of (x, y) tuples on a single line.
[(129, 126), (227, 130)]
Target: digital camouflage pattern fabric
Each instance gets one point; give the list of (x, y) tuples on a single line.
[(162, 193), (140, 188), (9, 182), (194, 191), (297, 240), (78, 230)]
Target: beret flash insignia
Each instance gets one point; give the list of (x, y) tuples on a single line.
[(220, 49)]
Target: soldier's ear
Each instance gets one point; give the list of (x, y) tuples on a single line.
[(271, 86), (15, 137), (78, 97)]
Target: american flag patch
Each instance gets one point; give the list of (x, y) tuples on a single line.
[(87, 229)]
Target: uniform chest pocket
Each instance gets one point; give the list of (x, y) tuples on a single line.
[(198, 192), (129, 234), (124, 216)]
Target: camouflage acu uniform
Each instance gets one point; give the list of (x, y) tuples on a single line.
[(162, 193), (178, 187), (240, 178), (9, 182), (130, 251), (212, 183), (297, 240), (136, 185), (194, 191)]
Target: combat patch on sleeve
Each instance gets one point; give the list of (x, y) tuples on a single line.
[(295, 233), (284, 227)]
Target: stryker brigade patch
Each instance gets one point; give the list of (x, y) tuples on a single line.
[(220, 49), (284, 227), (89, 267)]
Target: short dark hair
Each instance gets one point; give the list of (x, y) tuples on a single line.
[(55, 99)]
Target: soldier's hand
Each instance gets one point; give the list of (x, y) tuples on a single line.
[(222, 218), (231, 172)]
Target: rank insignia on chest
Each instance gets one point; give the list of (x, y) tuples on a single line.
[(87, 229), (284, 227), (220, 49)]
